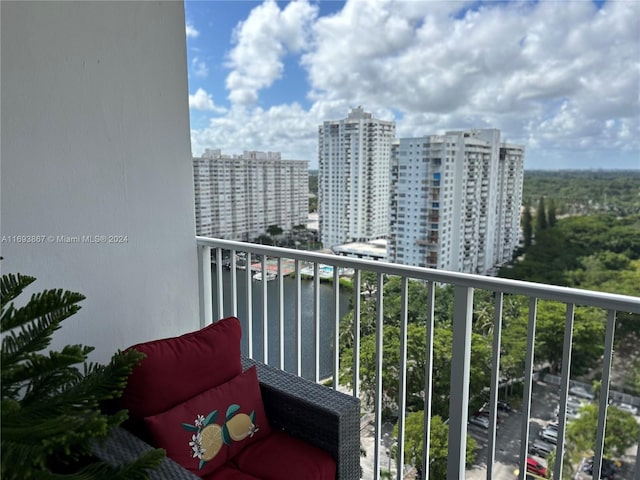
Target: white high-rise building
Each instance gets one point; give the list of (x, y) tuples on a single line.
[(353, 181), (238, 196), (455, 201)]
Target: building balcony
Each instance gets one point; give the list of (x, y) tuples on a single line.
[(319, 321)]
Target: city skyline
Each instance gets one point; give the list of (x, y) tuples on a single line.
[(559, 77)]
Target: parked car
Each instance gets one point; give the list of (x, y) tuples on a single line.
[(575, 402), (572, 412), (485, 414), (582, 393), (625, 407), (541, 448), (535, 466), (608, 471), (504, 406), (482, 422), (549, 435)]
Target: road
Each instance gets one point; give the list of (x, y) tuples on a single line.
[(544, 400)]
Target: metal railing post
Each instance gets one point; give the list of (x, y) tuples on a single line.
[(460, 369), (219, 285), (528, 378), (604, 391), (356, 334), (495, 381), (379, 359), (402, 402), (265, 310), (204, 280), (428, 382), (564, 389)]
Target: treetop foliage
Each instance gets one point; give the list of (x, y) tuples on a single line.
[(563, 249), (579, 192)]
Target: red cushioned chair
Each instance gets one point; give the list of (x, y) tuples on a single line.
[(220, 416)]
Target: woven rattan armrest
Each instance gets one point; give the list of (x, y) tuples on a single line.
[(122, 446), (314, 413)]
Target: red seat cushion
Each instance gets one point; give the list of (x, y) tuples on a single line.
[(204, 432), (281, 457), (176, 369), (229, 472)]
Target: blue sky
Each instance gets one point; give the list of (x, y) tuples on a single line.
[(560, 77)]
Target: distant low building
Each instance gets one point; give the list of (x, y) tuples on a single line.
[(373, 250), (238, 196)]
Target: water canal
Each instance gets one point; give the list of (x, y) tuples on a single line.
[(307, 320)]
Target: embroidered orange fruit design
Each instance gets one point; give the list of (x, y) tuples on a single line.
[(208, 437), (211, 441), (240, 427)]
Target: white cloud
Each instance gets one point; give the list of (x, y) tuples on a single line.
[(286, 128), (199, 67), (559, 77), (191, 31), (509, 66), (201, 100), (261, 42)]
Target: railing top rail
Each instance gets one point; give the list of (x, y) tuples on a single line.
[(621, 303)]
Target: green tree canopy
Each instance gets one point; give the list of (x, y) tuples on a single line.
[(551, 213), (274, 230), (588, 336), (264, 240), (541, 216), (559, 251), (621, 432), (586, 192), (438, 446), (416, 361), (527, 226)]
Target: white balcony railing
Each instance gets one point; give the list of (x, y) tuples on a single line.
[(464, 286)]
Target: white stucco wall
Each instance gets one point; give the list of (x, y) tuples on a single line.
[(95, 141)]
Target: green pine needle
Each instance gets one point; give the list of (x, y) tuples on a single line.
[(12, 285), (50, 402)]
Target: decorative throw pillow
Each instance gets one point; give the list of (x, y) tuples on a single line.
[(176, 369), (202, 433)]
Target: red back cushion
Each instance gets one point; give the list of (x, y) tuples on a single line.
[(207, 430), (176, 369)]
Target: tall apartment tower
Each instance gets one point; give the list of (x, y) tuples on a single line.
[(455, 201), (353, 181), (238, 196)]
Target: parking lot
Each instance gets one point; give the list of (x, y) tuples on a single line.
[(545, 398)]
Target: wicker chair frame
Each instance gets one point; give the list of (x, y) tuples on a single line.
[(313, 413)]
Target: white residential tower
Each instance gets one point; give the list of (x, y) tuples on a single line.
[(455, 201), (238, 196), (353, 181)]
